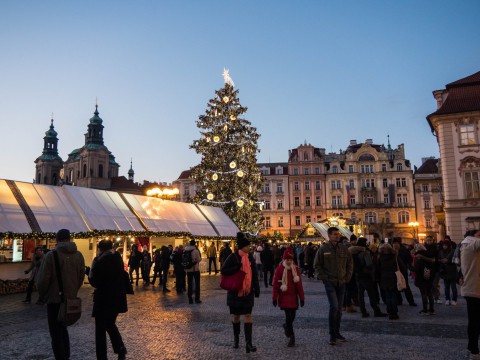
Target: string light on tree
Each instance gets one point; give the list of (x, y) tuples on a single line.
[(228, 166)]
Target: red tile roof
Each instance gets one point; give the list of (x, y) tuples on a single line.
[(430, 166)]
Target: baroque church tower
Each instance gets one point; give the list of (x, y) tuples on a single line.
[(92, 165), (49, 164)]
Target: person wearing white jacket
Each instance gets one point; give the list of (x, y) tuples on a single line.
[(470, 282)]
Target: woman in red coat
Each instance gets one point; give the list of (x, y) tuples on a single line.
[(287, 289)]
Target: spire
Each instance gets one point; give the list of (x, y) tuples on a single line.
[(131, 173), (389, 147)]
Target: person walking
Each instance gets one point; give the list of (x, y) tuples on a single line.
[(193, 271), (448, 272), (424, 278), (146, 265), (212, 258), (406, 258), (470, 287), (241, 302), (287, 291), (268, 263), (72, 267), (180, 284), (165, 266), (364, 276), (157, 267), (387, 265), (33, 270), (134, 263), (334, 266), (224, 254), (109, 299)]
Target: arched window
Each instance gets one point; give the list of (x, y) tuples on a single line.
[(305, 156), (399, 167), (335, 169), (100, 171), (370, 217), (403, 217), (366, 157)]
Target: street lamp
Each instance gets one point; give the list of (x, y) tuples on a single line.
[(414, 225)]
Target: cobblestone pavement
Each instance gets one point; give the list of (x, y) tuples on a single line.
[(159, 326)]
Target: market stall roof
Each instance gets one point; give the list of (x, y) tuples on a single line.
[(165, 215), (103, 210), (12, 218), (51, 208), (219, 220)]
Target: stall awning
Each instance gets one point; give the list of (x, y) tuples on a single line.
[(12, 218), (224, 225), (103, 210)]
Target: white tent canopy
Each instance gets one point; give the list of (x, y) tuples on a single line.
[(12, 217), (323, 228)]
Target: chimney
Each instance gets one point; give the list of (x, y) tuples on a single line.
[(353, 142), (369, 141)]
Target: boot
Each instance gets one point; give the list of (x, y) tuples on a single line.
[(236, 334), (291, 343), (285, 329), (248, 338)]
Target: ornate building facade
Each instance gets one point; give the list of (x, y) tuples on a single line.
[(455, 124), (48, 166)]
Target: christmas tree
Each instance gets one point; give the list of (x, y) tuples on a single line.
[(228, 174)]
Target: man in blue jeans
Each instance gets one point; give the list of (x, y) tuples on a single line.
[(334, 266)]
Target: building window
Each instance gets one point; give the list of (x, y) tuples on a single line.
[(317, 185), (335, 169), (339, 184), (397, 182), (370, 217), (369, 199), (296, 201), (350, 169), (307, 185), (297, 220), (317, 171), (404, 182), (384, 167), (366, 169), (405, 199), (319, 217), (426, 204), (280, 187), (295, 171), (467, 135), (309, 218), (336, 201), (295, 186), (425, 187), (279, 171), (403, 217), (265, 171), (472, 184), (306, 171), (307, 201), (186, 191), (332, 184), (267, 222), (386, 199), (428, 222), (280, 221), (399, 167), (385, 183), (280, 204), (352, 200), (352, 184), (267, 188), (318, 201), (368, 183), (267, 204), (387, 217)]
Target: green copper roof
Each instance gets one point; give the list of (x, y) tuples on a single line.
[(51, 132), (96, 119)]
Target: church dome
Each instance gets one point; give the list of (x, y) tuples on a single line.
[(96, 119), (51, 132)]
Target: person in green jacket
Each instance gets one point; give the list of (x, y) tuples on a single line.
[(334, 266)]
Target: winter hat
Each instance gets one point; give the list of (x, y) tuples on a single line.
[(192, 242), (242, 240), (362, 242), (63, 235), (288, 254)]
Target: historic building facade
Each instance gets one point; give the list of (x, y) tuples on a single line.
[(48, 166), (455, 124), (429, 199)]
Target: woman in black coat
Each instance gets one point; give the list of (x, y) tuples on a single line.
[(109, 299), (387, 265), (241, 302), (424, 277)]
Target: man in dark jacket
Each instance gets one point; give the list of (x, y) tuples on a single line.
[(165, 265), (407, 259), (334, 266), (109, 299), (72, 268), (134, 262)]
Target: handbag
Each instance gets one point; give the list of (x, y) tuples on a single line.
[(70, 309), (232, 282), (401, 283), (127, 283)]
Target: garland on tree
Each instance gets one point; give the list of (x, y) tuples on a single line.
[(228, 173)]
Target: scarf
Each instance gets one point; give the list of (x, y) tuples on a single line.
[(296, 279), (246, 268)]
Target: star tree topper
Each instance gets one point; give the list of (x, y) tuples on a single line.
[(227, 78)]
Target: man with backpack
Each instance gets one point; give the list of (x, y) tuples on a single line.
[(191, 263), (364, 276)]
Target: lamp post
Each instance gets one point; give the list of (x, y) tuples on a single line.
[(414, 225)]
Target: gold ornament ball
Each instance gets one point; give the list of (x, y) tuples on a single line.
[(240, 173), (214, 176), (226, 99), (210, 196), (240, 203), (233, 165), (216, 139)]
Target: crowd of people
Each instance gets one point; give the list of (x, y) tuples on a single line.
[(348, 268)]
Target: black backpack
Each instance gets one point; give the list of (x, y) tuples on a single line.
[(187, 260)]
